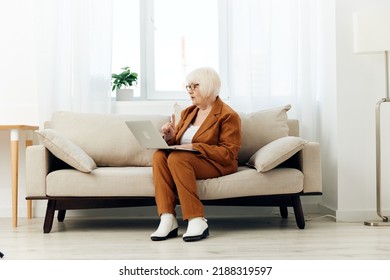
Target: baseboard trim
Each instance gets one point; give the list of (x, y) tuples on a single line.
[(350, 216)]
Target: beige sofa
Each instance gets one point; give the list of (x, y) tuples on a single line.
[(89, 161)]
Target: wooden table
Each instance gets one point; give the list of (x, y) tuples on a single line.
[(15, 129)]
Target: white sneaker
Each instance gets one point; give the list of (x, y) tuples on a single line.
[(197, 229), (167, 228)]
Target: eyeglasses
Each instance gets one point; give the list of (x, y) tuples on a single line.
[(191, 86)]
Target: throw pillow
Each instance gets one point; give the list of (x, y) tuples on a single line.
[(276, 152), (178, 108), (177, 111), (260, 128), (66, 150)]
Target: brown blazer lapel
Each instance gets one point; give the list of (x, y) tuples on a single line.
[(211, 119)]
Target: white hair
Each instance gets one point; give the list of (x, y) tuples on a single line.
[(208, 80)]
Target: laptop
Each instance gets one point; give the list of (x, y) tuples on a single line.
[(149, 137)]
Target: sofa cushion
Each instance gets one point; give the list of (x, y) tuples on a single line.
[(105, 137), (260, 128), (276, 152), (138, 182), (66, 150)]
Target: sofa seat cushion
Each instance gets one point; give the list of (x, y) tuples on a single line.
[(248, 182), (138, 181), (103, 181)]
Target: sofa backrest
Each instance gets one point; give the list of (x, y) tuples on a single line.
[(105, 137), (109, 142), (293, 127)]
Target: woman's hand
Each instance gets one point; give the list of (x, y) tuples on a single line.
[(169, 129)]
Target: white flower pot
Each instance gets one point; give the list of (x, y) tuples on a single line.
[(126, 94)]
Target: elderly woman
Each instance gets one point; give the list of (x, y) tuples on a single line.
[(213, 129)]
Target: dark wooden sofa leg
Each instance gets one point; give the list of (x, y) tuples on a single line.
[(299, 216), (51, 207), (61, 215), (283, 212)]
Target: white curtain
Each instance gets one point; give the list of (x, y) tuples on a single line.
[(73, 52), (277, 56)]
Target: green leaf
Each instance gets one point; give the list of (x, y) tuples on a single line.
[(125, 78)]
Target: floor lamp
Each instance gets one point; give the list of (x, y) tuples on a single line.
[(372, 35)]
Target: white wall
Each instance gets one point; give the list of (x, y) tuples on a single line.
[(327, 107), (360, 84), (18, 98)]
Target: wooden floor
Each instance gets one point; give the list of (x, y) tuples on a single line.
[(267, 238)]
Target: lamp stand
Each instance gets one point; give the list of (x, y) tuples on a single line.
[(385, 219)]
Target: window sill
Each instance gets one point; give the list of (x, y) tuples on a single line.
[(142, 107)]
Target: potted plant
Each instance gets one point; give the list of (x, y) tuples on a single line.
[(121, 83)]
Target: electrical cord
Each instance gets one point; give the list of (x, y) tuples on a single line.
[(308, 219)]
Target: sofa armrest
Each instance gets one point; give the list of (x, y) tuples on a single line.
[(37, 167), (310, 165)]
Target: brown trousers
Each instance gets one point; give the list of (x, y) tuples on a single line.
[(174, 175)]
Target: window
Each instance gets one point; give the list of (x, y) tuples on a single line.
[(171, 38), (126, 38)]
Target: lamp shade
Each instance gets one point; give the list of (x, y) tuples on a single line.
[(371, 30)]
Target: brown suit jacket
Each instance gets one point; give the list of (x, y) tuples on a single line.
[(218, 139)]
